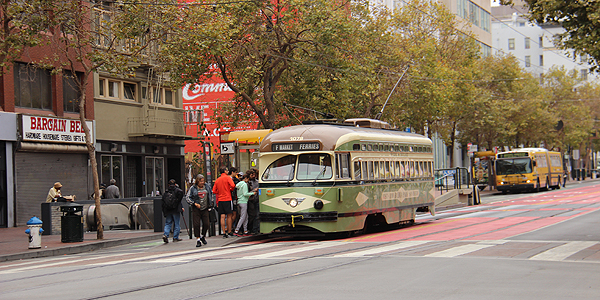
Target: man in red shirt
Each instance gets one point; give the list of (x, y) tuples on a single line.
[(222, 188)]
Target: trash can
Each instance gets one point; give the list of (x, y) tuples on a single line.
[(71, 223), (34, 231)]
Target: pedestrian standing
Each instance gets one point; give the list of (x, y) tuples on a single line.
[(112, 191), (172, 208), (199, 197), (234, 198), (222, 189), (253, 222), (243, 195)]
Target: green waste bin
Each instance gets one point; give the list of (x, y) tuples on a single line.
[(71, 223)]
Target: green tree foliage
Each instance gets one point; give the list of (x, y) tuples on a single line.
[(23, 25), (580, 19)]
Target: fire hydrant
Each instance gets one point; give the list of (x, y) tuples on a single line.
[(35, 232)]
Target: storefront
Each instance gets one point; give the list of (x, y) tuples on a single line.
[(50, 150), (140, 169), (8, 138)]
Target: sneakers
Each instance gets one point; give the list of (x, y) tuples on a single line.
[(230, 233), (165, 239), (198, 243), (247, 234), (177, 240), (225, 236), (237, 234), (203, 240)]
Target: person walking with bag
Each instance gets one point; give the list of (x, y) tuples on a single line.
[(243, 195), (199, 197), (172, 208)]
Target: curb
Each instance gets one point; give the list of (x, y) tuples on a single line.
[(74, 249)]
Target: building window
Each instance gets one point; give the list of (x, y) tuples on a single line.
[(33, 87), (527, 43), (162, 96), (117, 89), (71, 91), (541, 42), (527, 61), (541, 60), (511, 44), (112, 169), (584, 74), (154, 176)]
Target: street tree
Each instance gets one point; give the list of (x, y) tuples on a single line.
[(23, 25), (93, 36)]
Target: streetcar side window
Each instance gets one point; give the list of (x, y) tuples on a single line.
[(388, 173), (357, 173), (398, 171), (376, 169), (314, 166), (281, 169), (392, 170), (343, 166), (371, 176)]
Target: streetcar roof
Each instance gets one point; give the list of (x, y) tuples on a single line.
[(330, 136)]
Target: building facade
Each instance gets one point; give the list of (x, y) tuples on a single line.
[(532, 44)]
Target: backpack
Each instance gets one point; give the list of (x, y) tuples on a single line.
[(169, 201)]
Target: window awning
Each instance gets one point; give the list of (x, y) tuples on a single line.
[(247, 136)]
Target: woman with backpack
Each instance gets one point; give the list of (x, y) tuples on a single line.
[(199, 197), (243, 194)]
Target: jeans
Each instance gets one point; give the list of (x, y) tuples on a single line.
[(169, 220), (243, 217)]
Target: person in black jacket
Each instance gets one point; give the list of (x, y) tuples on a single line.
[(172, 216)]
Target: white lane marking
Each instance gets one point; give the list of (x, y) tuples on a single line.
[(294, 250), (206, 254), (561, 252), (64, 262), (387, 248), (460, 250)]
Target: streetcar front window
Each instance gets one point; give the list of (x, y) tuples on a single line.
[(513, 166), (281, 169), (314, 166)]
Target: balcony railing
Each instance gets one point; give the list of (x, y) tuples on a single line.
[(156, 127)]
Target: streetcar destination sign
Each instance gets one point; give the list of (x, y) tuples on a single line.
[(282, 147)]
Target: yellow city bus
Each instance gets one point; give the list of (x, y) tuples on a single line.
[(528, 169)]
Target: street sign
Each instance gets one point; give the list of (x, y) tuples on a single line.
[(227, 148)]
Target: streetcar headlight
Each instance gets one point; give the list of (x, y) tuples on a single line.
[(318, 204), (293, 202)]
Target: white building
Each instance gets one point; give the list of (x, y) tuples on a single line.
[(531, 44)]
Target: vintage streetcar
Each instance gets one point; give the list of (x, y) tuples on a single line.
[(323, 177)]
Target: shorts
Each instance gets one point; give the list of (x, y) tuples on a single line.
[(225, 207)]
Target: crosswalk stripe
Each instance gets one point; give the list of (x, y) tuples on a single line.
[(561, 252), (206, 254), (377, 250), (460, 250), (62, 262), (294, 250)]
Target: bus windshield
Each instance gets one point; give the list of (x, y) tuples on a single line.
[(281, 169), (513, 166), (314, 166)]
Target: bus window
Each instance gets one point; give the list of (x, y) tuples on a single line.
[(371, 175), (397, 167), (281, 169), (402, 170), (314, 166), (357, 173), (390, 166), (513, 166), (376, 170), (343, 166)]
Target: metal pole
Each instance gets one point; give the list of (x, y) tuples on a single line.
[(378, 116)]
